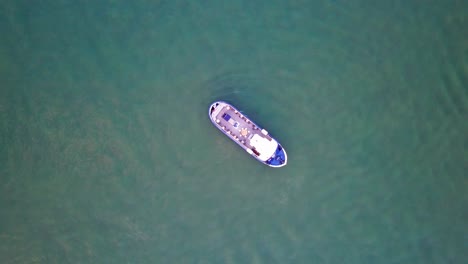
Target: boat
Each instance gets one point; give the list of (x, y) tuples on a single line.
[(252, 138)]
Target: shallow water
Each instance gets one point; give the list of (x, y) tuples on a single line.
[(107, 154)]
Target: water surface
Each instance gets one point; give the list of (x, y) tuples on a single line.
[(107, 154)]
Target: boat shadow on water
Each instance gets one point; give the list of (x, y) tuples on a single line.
[(239, 89), (259, 99)]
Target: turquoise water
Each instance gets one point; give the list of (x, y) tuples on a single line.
[(107, 154)]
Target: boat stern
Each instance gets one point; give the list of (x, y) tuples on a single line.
[(215, 108)]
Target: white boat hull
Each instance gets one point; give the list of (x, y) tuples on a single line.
[(248, 135)]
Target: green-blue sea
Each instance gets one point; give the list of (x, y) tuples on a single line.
[(107, 154)]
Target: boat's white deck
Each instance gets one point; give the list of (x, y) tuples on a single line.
[(241, 129)]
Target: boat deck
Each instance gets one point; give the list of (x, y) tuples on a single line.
[(239, 127)]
